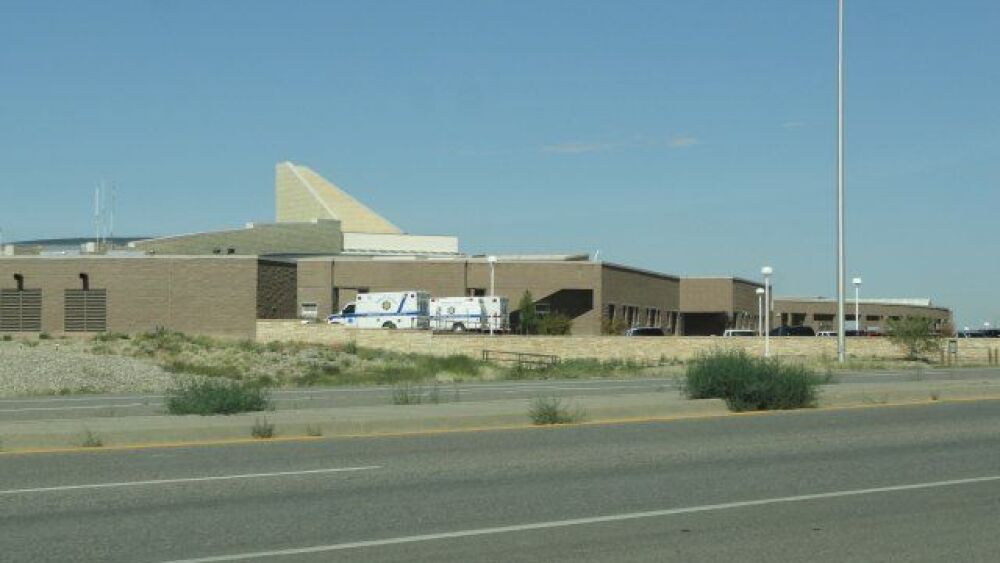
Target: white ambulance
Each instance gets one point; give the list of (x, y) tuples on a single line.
[(458, 314), (398, 309), (497, 313)]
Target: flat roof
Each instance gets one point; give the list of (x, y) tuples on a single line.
[(731, 278)]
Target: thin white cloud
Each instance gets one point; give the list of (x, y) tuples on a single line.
[(576, 148), (684, 141)]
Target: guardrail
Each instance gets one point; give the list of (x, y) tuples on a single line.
[(521, 359)]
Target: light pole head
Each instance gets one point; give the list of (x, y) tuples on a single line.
[(767, 271), (760, 291), (856, 281)]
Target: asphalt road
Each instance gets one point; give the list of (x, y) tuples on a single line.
[(917, 483), (85, 406)]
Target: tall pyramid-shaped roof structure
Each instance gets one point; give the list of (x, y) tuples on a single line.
[(303, 195)]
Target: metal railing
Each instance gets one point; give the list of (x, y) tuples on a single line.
[(521, 359)]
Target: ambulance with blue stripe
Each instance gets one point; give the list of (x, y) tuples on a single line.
[(397, 309)]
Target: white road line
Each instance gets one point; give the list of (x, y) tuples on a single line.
[(580, 521), (78, 407), (82, 399), (185, 480)]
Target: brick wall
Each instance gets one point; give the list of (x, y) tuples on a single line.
[(602, 347)]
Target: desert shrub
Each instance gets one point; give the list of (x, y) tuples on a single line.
[(217, 396), (110, 336), (262, 429), (748, 383), (552, 410), (616, 327)]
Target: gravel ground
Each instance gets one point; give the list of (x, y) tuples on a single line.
[(54, 367)]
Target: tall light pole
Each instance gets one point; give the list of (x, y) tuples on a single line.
[(760, 311), (841, 343), (493, 263), (767, 271), (857, 304)]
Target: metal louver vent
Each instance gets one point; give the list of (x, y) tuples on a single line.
[(86, 310), (20, 311)]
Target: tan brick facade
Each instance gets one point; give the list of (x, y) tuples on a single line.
[(580, 289), (821, 314), (199, 295)]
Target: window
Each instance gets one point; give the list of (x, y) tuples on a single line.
[(652, 316), (631, 314), (542, 309), (611, 312), (872, 317), (308, 311), (823, 317), (477, 292)]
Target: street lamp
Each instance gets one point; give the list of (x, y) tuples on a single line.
[(493, 263), (857, 304), (760, 311), (767, 271)]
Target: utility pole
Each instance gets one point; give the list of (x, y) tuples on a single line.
[(841, 341)]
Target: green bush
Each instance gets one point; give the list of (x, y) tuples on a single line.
[(915, 335), (262, 429), (217, 396), (7, 338), (552, 410), (527, 314), (748, 383), (44, 336), (555, 324), (110, 336)]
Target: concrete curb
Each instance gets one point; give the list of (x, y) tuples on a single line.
[(152, 431), (332, 422)]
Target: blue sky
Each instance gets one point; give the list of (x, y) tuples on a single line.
[(691, 137)]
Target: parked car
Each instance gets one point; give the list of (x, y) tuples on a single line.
[(793, 331), (971, 334), (850, 332), (645, 331), (739, 332)]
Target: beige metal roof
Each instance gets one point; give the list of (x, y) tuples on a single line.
[(303, 195)]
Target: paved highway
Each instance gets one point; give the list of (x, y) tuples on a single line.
[(85, 406), (918, 483)]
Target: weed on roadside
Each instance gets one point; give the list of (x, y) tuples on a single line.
[(407, 394), (90, 440), (262, 429), (553, 410)]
